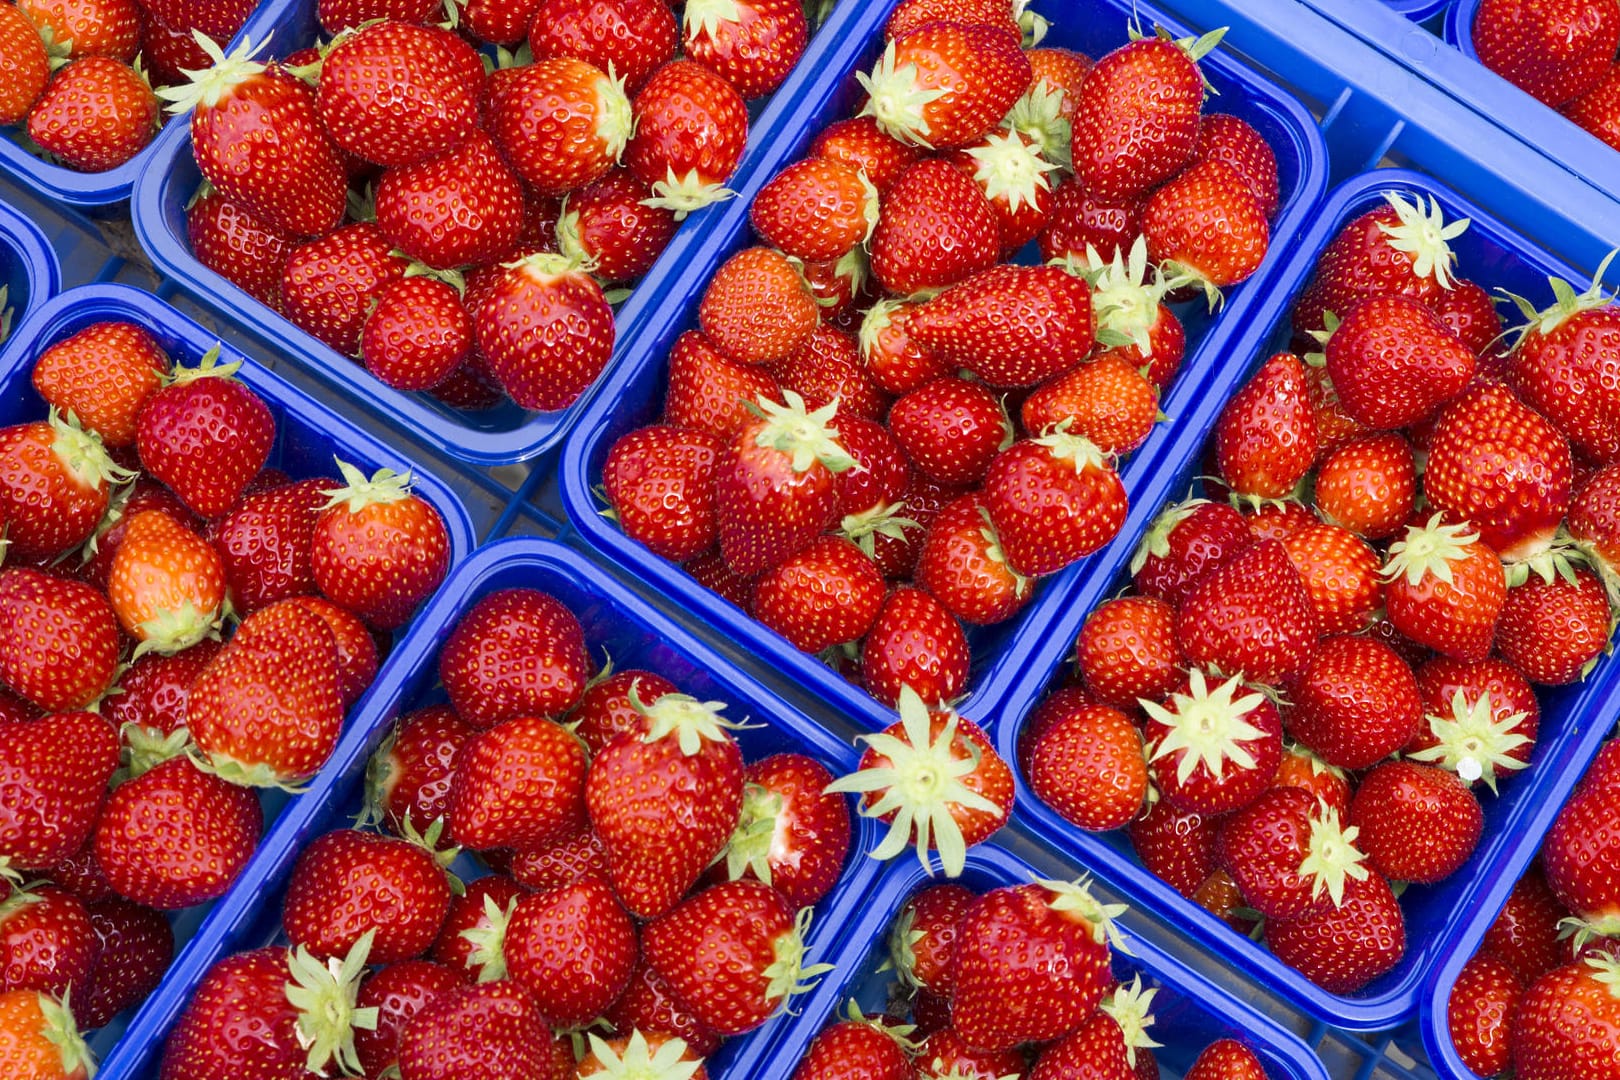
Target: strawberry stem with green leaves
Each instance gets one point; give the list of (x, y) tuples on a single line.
[(638, 1060), (1581, 931), (1131, 1006), (704, 18), (1424, 235), (865, 527), (897, 100), (62, 1032), (1567, 303), (209, 85), (327, 999), (147, 748), (902, 943), (1472, 743), (1124, 302), (755, 835), (787, 976), (806, 437), (682, 195), (208, 367), (384, 487), (488, 955), (1075, 899), (1428, 550), (1078, 449), (1038, 116), (1331, 856), (1157, 541), (82, 453), (1208, 726), (1008, 168), (690, 721)]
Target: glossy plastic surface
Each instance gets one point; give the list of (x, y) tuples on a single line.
[(28, 267)]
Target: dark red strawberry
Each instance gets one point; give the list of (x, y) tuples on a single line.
[(418, 334), (347, 884), (62, 646), (472, 918), (1185, 542), (648, 1006), (816, 209), (134, 948), (915, 641), (520, 784), (1265, 438), (1527, 932), (1052, 501), (929, 201), (1355, 703), (411, 774), (1010, 325), (607, 709), (946, 84), (546, 331), (1081, 221), (1251, 616), (951, 429), (1342, 949), (1393, 362), (633, 37), (1552, 630), (691, 127), (1418, 823), (660, 482), (206, 435), (1012, 174), (327, 284), (1176, 846), (1289, 854), (265, 544)]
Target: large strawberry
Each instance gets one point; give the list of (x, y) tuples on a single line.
[(1342, 949), (1265, 438), (1579, 859), (1568, 1024), (1127, 651), (378, 550), (1251, 616), (963, 565), (56, 768), (660, 482), (1554, 50), (1393, 362), (1052, 501), (1009, 325), (205, 434), (47, 941), (1355, 703), (561, 122), (41, 1037), (61, 647), (546, 331), (1445, 589), (1289, 854), (102, 375), (460, 208), (931, 199), (167, 584), (945, 85), (1206, 226), (1566, 366), (347, 884), (517, 652), (1214, 748), (816, 209), (915, 641), (633, 37), (519, 785), (756, 309), (1480, 1014), (691, 127), (1417, 823), (950, 429), (56, 482), (753, 44)]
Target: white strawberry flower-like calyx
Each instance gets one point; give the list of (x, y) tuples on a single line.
[(1208, 727), (208, 86), (1157, 541), (1331, 858), (639, 1061), (897, 100), (1081, 451), (1428, 550), (1425, 235), (1007, 166), (690, 721), (902, 950), (921, 783), (881, 520), (359, 491), (806, 437), (62, 1032), (326, 997), (1123, 298), (704, 18), (1131, 1007), (83, 454), (615, 119), (1038, 116), (1472, 743), (788, 975), (488, 940), (682, 195), (1075, 899)]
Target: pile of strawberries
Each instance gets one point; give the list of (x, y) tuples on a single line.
[(643, 874), (454, 228), (1295, 706), (79, 73), (131, 739), (1542, 996), (880, 430), (1561, 52), (1015, 982)]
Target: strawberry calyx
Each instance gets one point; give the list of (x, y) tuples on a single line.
[(681, 195), (1549, 560), (639, 1061), (1078, 449), (755, 836), (1074, 900), (919, 786), (807, 438), (878, 318), (569, 243), (429, 841), (902, 950), (1006, 166), (1031, 23), (326, 997), (83, 454), (1207, 726), (62, 1032), (900, 1033), (863, 528), (453, 278), (178, 628), (381, 776), (208, 367), (1583, 931), (1567, 303), (690, 721), (1124, 302), (146, 748), (1318, 766), (1130, 1007), (210, 86), (546, 267), (788, 976), (253, 774), (1193, 48), (384, 488), (615, 119), (995, 554), (488, 940), (1605, 972), (706, 17), (1157, 541), (1428, 550), (59, 53), (1331, 855), (1038, 117), (897, 100), (1424, 235), (1472, 743)]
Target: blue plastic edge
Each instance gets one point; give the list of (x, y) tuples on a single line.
[(637, 383), (1416, 10), (30, 271)]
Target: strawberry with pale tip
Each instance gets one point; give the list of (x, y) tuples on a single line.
[(41, 1037), (378, 549)]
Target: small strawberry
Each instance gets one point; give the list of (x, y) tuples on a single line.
[(1417, 823), (1009, 325), (61, 647), (473, 917), (690, 131), (1110, 1042), (1552, 630), (25, 65), (1565, 365), (460, 208), (378, 550), (56, 483), (1289, 854), (1342, 949), (1594, 521), (411, 773), (871, 1048), (945, 85), (608, 227), (1480, 1012), (1445, 589), (265, 544), (1367, 485), (1234, 142), (348, 884), (1185, 542), (1127, 651), (398, 993), (752, 44), (492, 1029), (1227, 1059), (928, 200), (826, 593), (154, 689), (519, 784), (1527, 933), (756, 309), (135, 946), (41, 1037), (1089, 766), (167, 584), (863, 145), (1206, 225), (1553, 51), (47, 941), (963, 566), (945, 1054), (327, 284), (922, 938), (102, 375), (561, 122), (1052, 501), (1257, 587), (633, 37), (546, 331), (1340, 573), (826, 367), (1213, 749), (1470, 313), (1302, 768), (816, 209), (915, 641), (791, 834), (205, 434), (1265, 438), (711, 393)]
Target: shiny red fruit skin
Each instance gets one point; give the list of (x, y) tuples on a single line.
[(1480, 1014)]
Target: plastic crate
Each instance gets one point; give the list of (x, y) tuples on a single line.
[(307, 437), (1419, 11), (28, 268), (101, 193), (615, 621), (634, 394), (1493, 255), (1190, 1011), (499, 436)]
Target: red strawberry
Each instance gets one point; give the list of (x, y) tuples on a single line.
[(206, 435), (378, 550), (398, 993), (711, 393), (608, 228), (1052, 501), (1594, 520), (327, 284), (1417, 823), (1567, 1024), (1554, 51), (648, 1006), (930, 200), (95, 115), (520, 784), (915, 641), (1207, 224), (1176, 846), (265, 544), (1289, 854), (1108, 401), (1011, 172), (216, 18), (945, 1054), (1595, 111), (756, 309), (633, 37), (711, 572), (463, 207), (395, 94), (922, 938), (1445, 589), (411, 774), (135, 945), (880, 479), (1213, 749), (1480, 718), (42, 1037), (472, 918), (655, 1054), (897, 556), (1265, 438), (951, 429), (347, 884), (1527, 932), (55, 485), (963, 566), (258, 138), (660, 482), (47, 941), (1393, 362), (1470, 313), (607, 710), (1367, 485), (1057, 937), (752, 44), (871, 1048), (688, 767), (1566, 366), (1081, 220), (1010, 325), (1227, 1059), (1340, 575), (154, 689), (691, 126), (561, 122), (935, 779), (863, 145), (1356, 702), (1303, 769), (1579, 859), (61, 647), (1552, 630), (546, 331), (1185, 542), (517, 652), (1133, 323), (25, 68), (792, 834), (492, 1029), (167, 584), (827, 593), (1100, 1046), (816, 209), (1343, 949), (1127, 650), (1279, 520), (826, 367), (1236, 143), (1089, 765), (944, 85), (1480, 1014), (102, 375), (1218, 621)]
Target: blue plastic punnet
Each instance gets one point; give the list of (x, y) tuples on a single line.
[(308, 437), (1419, 11), (29, 271), (1494, 256), (634, 394)]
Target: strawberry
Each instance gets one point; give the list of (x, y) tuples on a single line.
[(774, 484), (1393, 362), (1552, 630), (411, 773), (398, 993), (915, 641), (378, 550), (418, 334), (633, 37), (881, 476), (756, 308), (752, 44), (655, 1054), (687, 765), (608, 227), (791, 835), (475, 912), (1445, 589), (1226, 1059), (1527, 933), (1184, 542), (167, 584), (205, 434), (174, 836), (61, 651), (135, 945), (1303, 769), (95, 115), (950, 429), (647, 1006), (491, 1029), (1100, 1046), (607, 710), (712, 572), (1234, 142), (863, 145), (945, 1054), (1356, 702), (1578, 858), (897, 556), (55, 484), (258, 138), (1480, 1012), (1566, 1023), (659, 481), (41, 1037), (47, 942), (1565, 364), (102, 375), (869, 1048), (1596, 110), (1052, 501), (1367, 485), (1594, 520), (816, 209), (519, 784), (1215, 748), (825, 594), (1176, 845), (945, 85), (57, 768), (1257, 587), (922, 938), (1480, 718), (690, 130), (561, 122), (1009, 325), (1080, 221), (266, 711), (168, 52), (930, 200), (1108, 401), (1289, 854), (1554, 50), (1342, 949), (910, 14), (265, 544), (1063, 935), (1340, 575), (711, 393), (546, 331), (1417, 823), (347, 884), (1127, 650), (1090, 767), (733, 954), (1206, 224), (327, 284), (356, 648), (1265, 438), (463, 207), (154, 689), (1012, 175), (1470, 312), (826, 367), (1136, 119), (395, 94), (25, 65), (963, 566), (1278, 520), (935, 779)]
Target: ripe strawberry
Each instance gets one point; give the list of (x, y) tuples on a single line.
[(1127, 650), (55, 485), (945, 1054), (607, 227), (1417, 823), (897, 556), (520, 784), (1012, 175), (1594, 520), (1342, 949), (1265, 438), (816, 209), (945, 85), (41, 1037), (1480, 718), (1213, 749), (1553, 51), (154, 689), (1207, 224), (25, 65), (1133, 323), (655, 1054), (1303, 769), (826, 367), (1480, 1013), (935, 779), (1551, 631), (473, 917), (825, 594), (206, 435), (463, 207), (1340, 575), (398, 993), (1289, 854), (1081, 220), (690, 130), (102, 375), (1236, 143), (1108, 401), (1579, 859), (216, 18), (928, 200), (1089, 766), (1445, 589), (910, 14), (660, 482), (1470, 313), (922, 938), (1567, 1023), (633, 37), (1565, 364), (167, 584), (395, 93), (1356, 702), (1062, 931), (378, 550), (869, 1048), (1226, 1059), (96, 114), (347, 884), (327, 284), (950, 429), (57, 768), (711, 393), (752, 44), (418, 334), (47, 942), (546, 332), (1527, 933), (61, 648), (647, 1005), (258, 138), (265, 544), (1052, 501), (756, 308), (915, 641), (792, 834), (1009, 325), (411, 774), (561, 122), (607, 710), (963, 566), (1367, 485), (1099, 1046), (1185, 542), (1278, 520), (135, 945), (1257, 587), (491, 1029), (1176, 845), (1595, 111), (863, 145), (1393, 362), (880, 478)]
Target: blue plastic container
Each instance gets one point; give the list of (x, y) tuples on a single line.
[(634, 394), (1494, 256), (497, 436), (1191, 1012), (307, 437), (1419, 11), (616, 622), (28, 267), (100, 193)]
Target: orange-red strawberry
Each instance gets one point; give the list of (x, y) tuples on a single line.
[(963, 566), (1417, 823), (1227, 1059), (205, 434), (1265, 438), (1393, 362), (1089, 766), (1213, 748), (1012, 174), (546, 331), (102, 375), (827, 593), (56, 482), (633, 37), (1234, 142), (1289, 854), (56, 769), (347, 884), (660, 482), (1555, 51), (927, 204), (910, 14), (1566, 366), (690, 131), (463, 207), (1367, 485), (95, 115), (378, 550), (1081, 220), (1251, 616), (816, 209), (42, 1038), (60, 649), (25, 65), (793, 834), (1552, 629), (561, 122), (517, 652), (1340, 573), (865, 147), (608, 227), (326, 285), (752, 44), (1568, 1023), (943, 85), (1355, 703), (1207, 225), (756, 308), (1108, 401), (1052, 501), (1009, 325), (1480, 718), (167, 584), (950, 429), (915, 641), (1279, 520), (1127, 650), (711, 393), (1185, 542), (1445, 589)]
